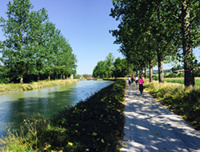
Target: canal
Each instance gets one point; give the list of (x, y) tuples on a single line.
[(15, 107)]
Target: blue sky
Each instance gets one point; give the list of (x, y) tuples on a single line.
[(85, 24)]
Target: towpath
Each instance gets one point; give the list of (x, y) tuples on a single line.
[(151, 127)]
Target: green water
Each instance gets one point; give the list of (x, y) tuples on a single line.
[(15, 107)]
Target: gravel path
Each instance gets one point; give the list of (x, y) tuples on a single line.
[(151, 127)]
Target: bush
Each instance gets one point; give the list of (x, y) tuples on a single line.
[(4, 80), (155, 78), (197, 73)]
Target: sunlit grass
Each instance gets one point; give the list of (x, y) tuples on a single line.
[(181, 80), (34, 85), (182, 100)]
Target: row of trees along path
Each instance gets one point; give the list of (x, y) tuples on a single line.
[(152, 31), (33, 45)]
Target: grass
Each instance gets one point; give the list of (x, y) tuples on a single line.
[(4, 88), (181, 80), (96, 124), (181, 100)]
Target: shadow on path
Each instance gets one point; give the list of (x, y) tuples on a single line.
[(151, 127)]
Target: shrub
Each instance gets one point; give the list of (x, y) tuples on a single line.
[(4, 80)]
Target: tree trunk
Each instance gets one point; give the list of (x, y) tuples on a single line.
[(49, 78), (150, 72), (38, 77), (141, 73), (145, 71), (187, 48), (160, 67), (55, 75), (159, 54), (21, 80)]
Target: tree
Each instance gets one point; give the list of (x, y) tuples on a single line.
[(121, 68), (106, 68), (34, 46), (187, 26), (66, 59), (15, 49), (110, 64), (36, 43), (141, 35), (100, 70)]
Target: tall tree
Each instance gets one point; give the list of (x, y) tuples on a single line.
[(15, 49), (100, 70), (34, 46), (133, 31), (121, 67), (110, 64), (36, 36), (188, 13)]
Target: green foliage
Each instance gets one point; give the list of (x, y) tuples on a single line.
[(158, 33), (155, 77), (3, 73), (197, 73), (33, 45), (86, 75), (96, 124), (111, 68), (100, 70), (121, 67), (4, 80), (181, 100), (104, 69)]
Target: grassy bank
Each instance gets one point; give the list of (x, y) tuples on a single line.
[(181, 100), (181, 80), (6, 88), (96, 124)]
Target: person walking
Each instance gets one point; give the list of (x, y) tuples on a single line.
[(129, 80), (136, 80), (141, 85)]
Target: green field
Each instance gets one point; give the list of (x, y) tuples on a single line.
[(181, 80)]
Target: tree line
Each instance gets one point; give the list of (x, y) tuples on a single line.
[(111, 67), (156, 30), (34, 48)]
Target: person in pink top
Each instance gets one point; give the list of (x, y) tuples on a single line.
[(141, 85)]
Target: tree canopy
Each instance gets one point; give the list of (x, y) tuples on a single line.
[(33, 45), (111, 67), (153, 30)]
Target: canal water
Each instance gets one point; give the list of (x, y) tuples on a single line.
[(15, 107)]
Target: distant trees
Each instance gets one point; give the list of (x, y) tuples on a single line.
[(153, 30), (100, 70), (111, 68), (33, 46), (121, 68)]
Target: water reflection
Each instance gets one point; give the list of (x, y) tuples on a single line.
[(15, 107)]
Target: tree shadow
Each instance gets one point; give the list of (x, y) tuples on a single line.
[(152, 127)]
